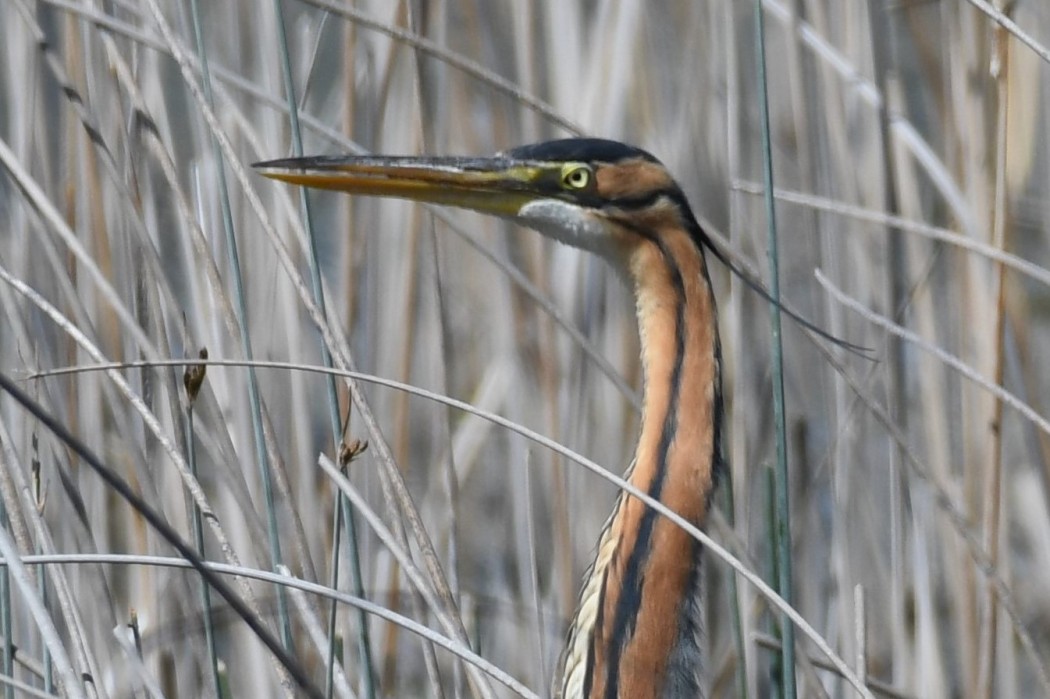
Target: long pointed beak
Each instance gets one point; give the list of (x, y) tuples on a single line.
[(499, 185)]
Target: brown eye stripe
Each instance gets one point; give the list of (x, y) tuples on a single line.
[(631, 178)]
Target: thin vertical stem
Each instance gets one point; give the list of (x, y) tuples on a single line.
[(198, 541), (38, 503), (343, 511), (254, 400), (993, 474), (5, 617), (783, 521), (741, 623), (898, 298), (735, 618), (860, 631)]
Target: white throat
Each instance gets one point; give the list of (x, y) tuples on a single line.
[(570, 224)]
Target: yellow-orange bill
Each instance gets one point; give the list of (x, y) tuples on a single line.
[(497, 185)]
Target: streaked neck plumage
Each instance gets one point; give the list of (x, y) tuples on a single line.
[(637, 629)]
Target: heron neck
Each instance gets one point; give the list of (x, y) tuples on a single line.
[(646, 625), (678, 445)]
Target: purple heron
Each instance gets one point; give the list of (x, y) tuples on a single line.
[(636, 633)]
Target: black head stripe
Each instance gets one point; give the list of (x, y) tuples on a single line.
[(587, 150)]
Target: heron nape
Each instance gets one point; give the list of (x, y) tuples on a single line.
[(636, 632)]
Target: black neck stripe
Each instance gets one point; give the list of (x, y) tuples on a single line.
[(629, 602)]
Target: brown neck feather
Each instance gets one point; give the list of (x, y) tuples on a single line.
[(637, 632)]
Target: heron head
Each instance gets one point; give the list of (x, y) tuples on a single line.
[(598, 195)]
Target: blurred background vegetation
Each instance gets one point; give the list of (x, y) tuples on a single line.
[(910, 155)]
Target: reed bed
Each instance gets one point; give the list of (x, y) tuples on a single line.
[(493, 375)]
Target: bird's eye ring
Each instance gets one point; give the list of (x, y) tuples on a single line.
[(576, 177)]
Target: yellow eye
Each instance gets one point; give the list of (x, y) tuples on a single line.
[(576, 177)]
